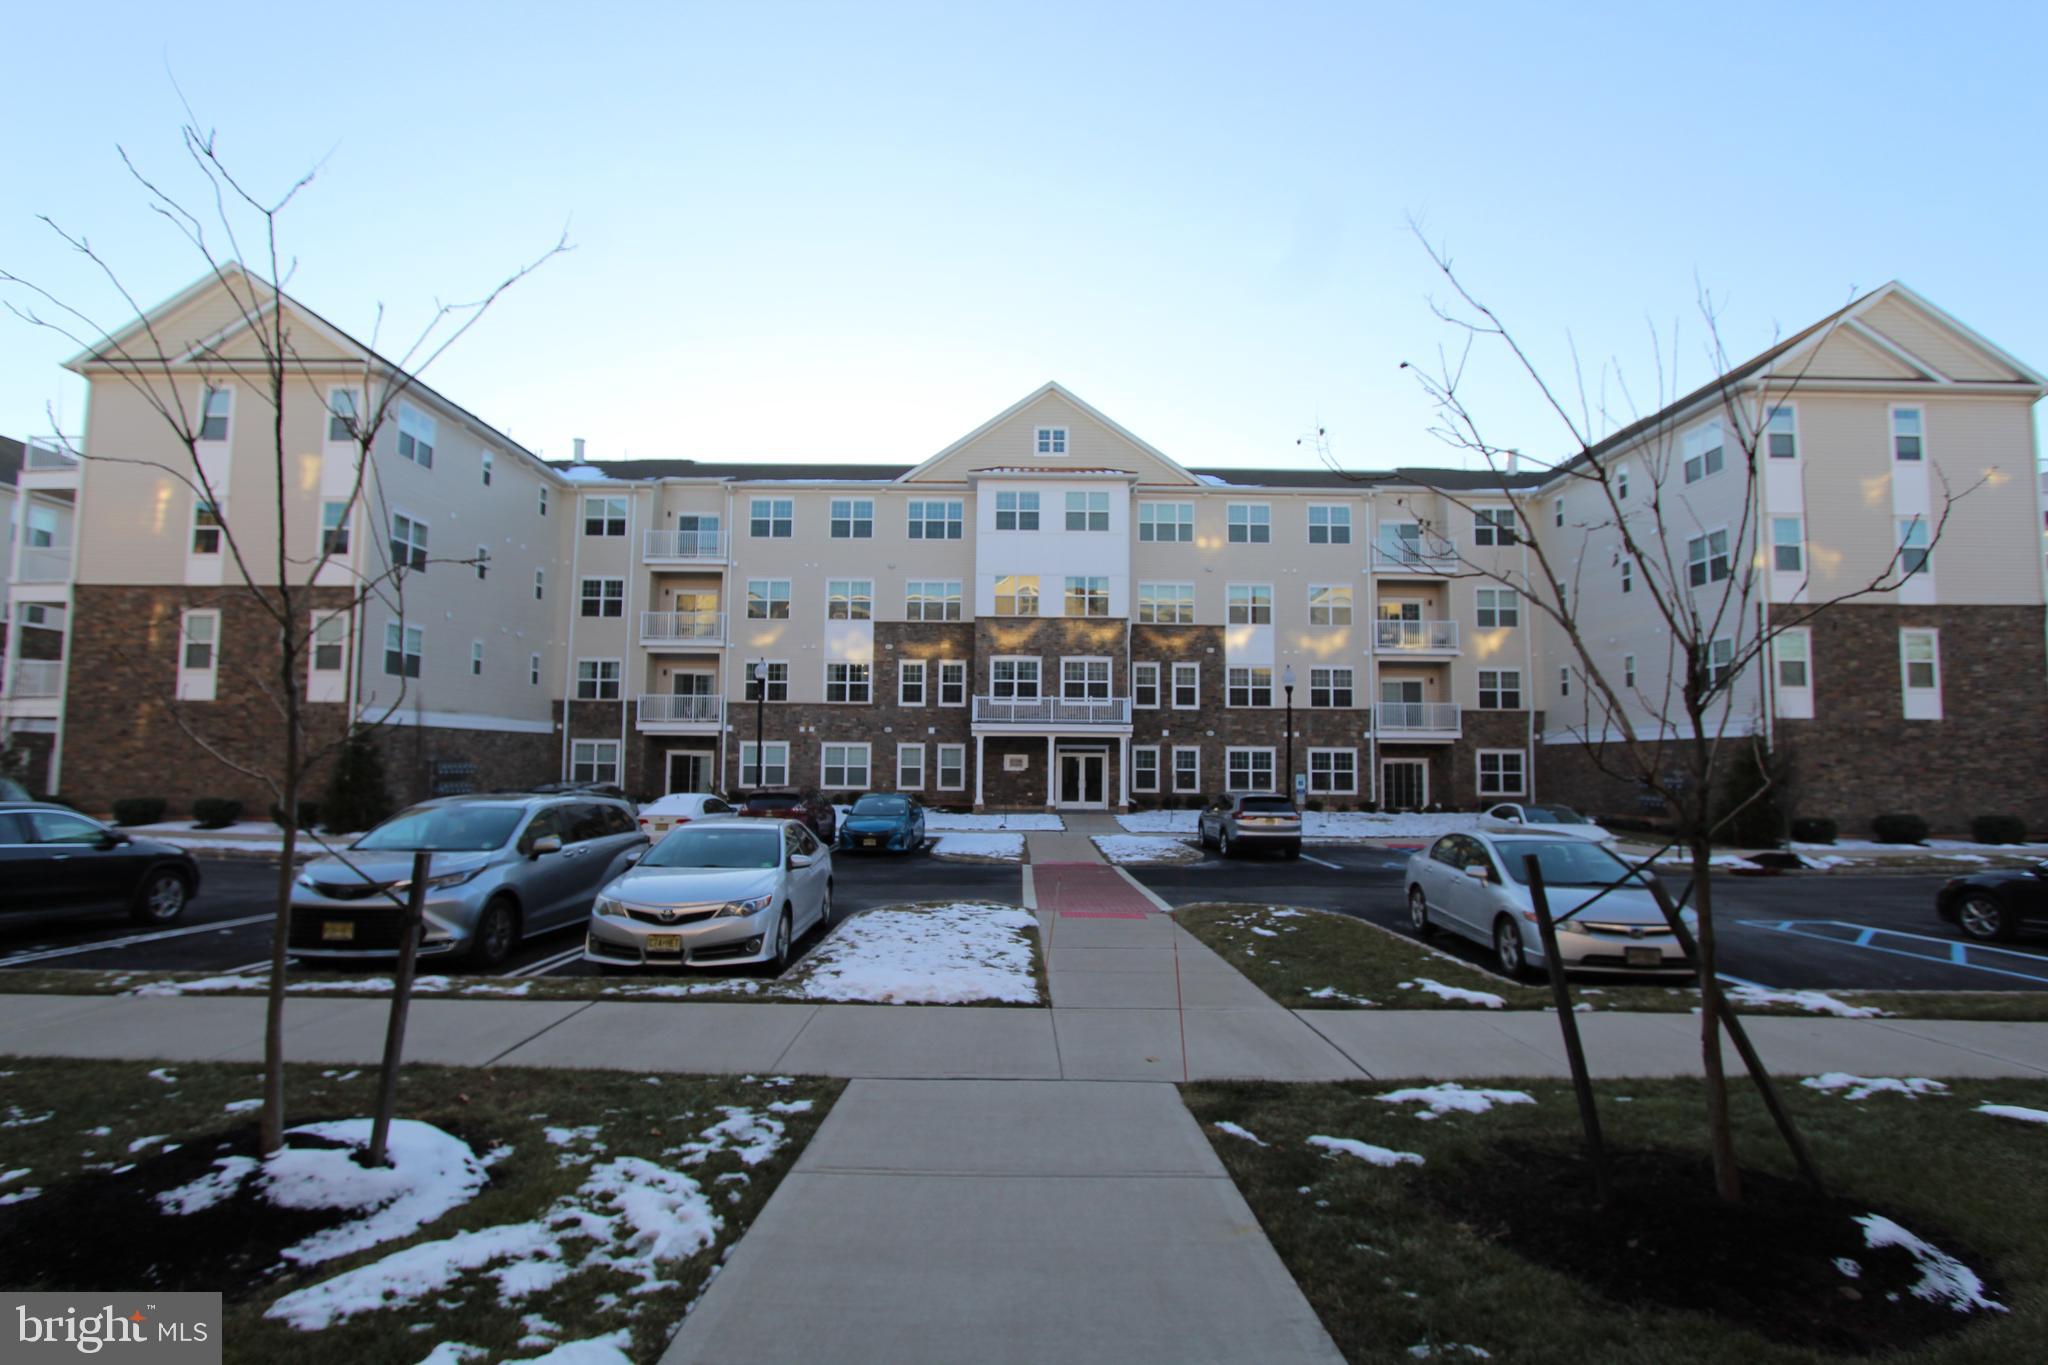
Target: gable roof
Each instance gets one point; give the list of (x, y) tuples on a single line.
[(1054, 388)]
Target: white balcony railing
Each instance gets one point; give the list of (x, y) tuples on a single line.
[(670, 627), (1417, 717), (1427, 554), (662, 708), (1420, 637), (682, 545), (37, 678), (45, 564), (1051, 711), (42, 457)]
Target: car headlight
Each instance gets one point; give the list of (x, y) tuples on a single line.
[(752, 906), (447, 879), (608, 905), (1572, 926), (305, 879)]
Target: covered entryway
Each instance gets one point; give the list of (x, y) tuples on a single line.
[(1083, 778), (691, 770), (1404, 783)]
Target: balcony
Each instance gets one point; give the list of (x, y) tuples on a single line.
[(1418, 720), (664, 711), (682, 629), (682, 547), (1052, 713), (34, 678), (45, 564), (1415, 637), (1430, 556)]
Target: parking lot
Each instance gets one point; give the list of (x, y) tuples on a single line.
[(1839, 932)]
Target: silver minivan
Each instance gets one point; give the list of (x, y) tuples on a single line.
[(504, 868)]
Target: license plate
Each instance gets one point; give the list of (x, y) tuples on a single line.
[(1644, 957), (337, 931), (664, 943), (868, 843)]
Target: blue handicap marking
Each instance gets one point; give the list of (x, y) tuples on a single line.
[(1974, 957)]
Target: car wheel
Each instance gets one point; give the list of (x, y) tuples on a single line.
[(497, 930), (1507, 949), (1222, 842), (1418, 913), (1981, 917), (161, 899), (780, 962), (825, 910)]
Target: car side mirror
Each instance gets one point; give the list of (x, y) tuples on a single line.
[(547, 843), (633, 855), (112, 838), (801, 860), (1478, 873)]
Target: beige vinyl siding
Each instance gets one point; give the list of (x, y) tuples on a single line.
[(1933, 343), (1843, 355), (1090, 445)]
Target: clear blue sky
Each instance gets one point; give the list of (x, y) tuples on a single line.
[(853, 232)]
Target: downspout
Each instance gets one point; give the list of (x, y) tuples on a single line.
[(574, 596), (1372, 656), (730, 541), (631, 648), (1528, 669)]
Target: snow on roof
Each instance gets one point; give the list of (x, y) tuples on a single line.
[(584, 473)]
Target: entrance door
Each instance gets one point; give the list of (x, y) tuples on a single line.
[(689, 770), (1084, 779), (1404, 783)]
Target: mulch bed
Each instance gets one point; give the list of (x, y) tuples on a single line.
[(1767, 1264)]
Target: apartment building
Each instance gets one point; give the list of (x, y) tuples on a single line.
[(1050, 612)]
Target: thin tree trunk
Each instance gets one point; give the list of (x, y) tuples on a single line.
[(1727, 1176), (280, 929)]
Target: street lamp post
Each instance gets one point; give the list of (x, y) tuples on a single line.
[(760, 671), (1287, 686)]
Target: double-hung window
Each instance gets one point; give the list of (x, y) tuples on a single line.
[(487, 465), (602, 597), (1702, 450), (1087, 511), (767, 599), (1166, 604), (952, 682), (205, 529), (1087, 596), (216, 406), (594, 760), (1791, 650), (1084, 680), (198, 654), (1248, 687), (1628, 576), (936, 519), (1248, 770), (853, 519), (771, 518), (342, 414), (476, 658), (1017, 595), (1913, 546), (1329, 524), (1145, 768), (1013, 679), (1250, 604), (1920, 672), (774, 772), (910, 767), (1187, 687), (1249, 523), (1500, 689), (1706, 559), (604, 516), (1496, 608), (540, 585), (850, 599), (931, 599), (1016, 511), (1493, 526), (597, 680), (1906, 432), (1145, 686), (1501, 772), (1720, 662), (1187, 768), (408, 542), (1333, 772), (1781, 433), (846, 682), (1330, 687), (1329, 604), (952, 767), (330, 642), (1166, 522), (415, 435), (910, 682), (1788, 544), (404, 646), (483, 562), (777, 680)]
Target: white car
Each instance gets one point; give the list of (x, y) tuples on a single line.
[(718, 893), (1515, 815), (679, 808)]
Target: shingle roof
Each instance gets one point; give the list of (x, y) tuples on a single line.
[(784, 471)]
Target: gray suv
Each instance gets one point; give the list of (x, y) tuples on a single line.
[(504, 868)]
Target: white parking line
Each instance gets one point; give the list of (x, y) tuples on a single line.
[(106, 944), (1310, 858), (548, 964)]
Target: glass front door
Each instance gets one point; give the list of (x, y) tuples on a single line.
[(689, 770), (1404, 784), (1084, 779)]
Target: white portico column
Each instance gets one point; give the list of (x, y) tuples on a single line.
[(980, 757), (1052, 777), (1123, 774)]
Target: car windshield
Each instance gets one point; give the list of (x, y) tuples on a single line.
[(881, 805), (1553, 815), (449, 829), (717, 845), (772, 801), (1266, 805), (1565, 862)]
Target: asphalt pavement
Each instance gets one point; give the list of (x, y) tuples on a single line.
[(1838, 931)]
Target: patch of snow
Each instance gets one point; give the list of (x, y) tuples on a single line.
[(1365, 1151), (1332, 993), (1825, 860), (2014, 1111), (946, 955), (150, 1141), (430, 1172), (1423, 1350), (21, 1196), (609, 1349), (1943, 1279), (17, 1117), (1814, 1002), (742, 1132), (223, 1180), (449, 1352), (164, 1074), (938, 822), (790, 1106), (1458, 993), (584, 473), (242, 1106), (1008, 848), (1316, 824), (1226, 1126), (684, 989), (1863, 1087), (9, 1177), (585, 1136), (1265, 933), (1129, 849), (1451, 1098)]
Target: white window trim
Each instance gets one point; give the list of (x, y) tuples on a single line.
[(1521, 786), (229, 390), (1018, 580), (966, 683), (959, 766), (1706, 538), (788, 598), (596, 748), (1272, 762), (770, 762), (417, 422), (1798, 445), (390, 529), (1108, 665), (1038, 665), (1628, 670), (618, 676), (1479, 689), (867, 765), (1920, 703), (1039, 439), (1153, 505), (1685, 442), (924, 676), (1155, 584), (533, 670), (198, 684), (1250, 686), (1350, 604), (327, 436), (1150, 666), (1351, 686), (851, 598), (1308, 525), (1251, 607), (1173, 690), (746, 677), (1892, 412), (1249, 523), (1152, 749), (825, 682), (1174, 771), (1313, 790), (601, 598), (902, 751), (476, 658)]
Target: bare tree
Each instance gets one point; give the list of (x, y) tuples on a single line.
[(285, 578), (1668, 732)]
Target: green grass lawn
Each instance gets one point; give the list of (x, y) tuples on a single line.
[(1312, 959), (1390, 1264), (69, 1123)]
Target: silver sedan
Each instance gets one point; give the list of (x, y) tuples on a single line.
[(1475, 885)]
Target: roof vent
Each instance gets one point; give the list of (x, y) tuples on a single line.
[(579, 450), (1514, 460)]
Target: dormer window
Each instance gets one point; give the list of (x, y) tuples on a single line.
[(1052, 440)]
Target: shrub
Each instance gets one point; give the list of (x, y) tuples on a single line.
[(1747, 812), (139, 810), (215, 812), (1813, 829), (356, 796), (1312, 804), (1900, 828), (1998, 829), (309, 815)]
